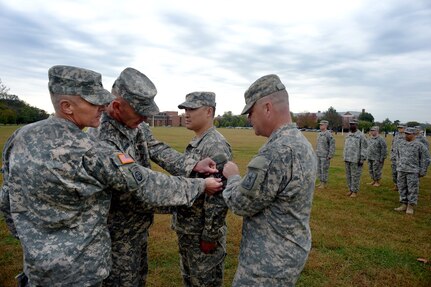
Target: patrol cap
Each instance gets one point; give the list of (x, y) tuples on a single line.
[(323, 122), (401, 126), (419, 128), (374, 128), (138, 90), (410, 130), (262, 87), (353, 122), (198, 99), (74, 81)]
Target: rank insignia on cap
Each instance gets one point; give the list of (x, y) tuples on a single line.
[(124, 158)]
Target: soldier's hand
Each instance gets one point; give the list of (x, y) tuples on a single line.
[(206, 166), (230, 168), (213, 185), (207, 247)]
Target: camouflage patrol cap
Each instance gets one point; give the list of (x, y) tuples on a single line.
[(262, 87), (374, 128), (401, 126), (323, 122), (353, 122), (419, 128), (410, 130), (138, 90), (198, 99), (74, 81)]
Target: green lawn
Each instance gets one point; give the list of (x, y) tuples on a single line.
[(356, 242)]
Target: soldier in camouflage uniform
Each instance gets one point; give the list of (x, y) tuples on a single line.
[(128, 219), (275, 195), (412, 163), (399, 137), (57, 183), (201, 229), (325, 151), (376, 155), (420, 136), (355, 154)]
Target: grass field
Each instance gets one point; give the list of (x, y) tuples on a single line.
[(356, 242)]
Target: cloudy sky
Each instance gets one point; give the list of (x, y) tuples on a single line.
[(352, 55)]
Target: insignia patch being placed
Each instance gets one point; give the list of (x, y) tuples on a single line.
[(137, 174), (124, 158)]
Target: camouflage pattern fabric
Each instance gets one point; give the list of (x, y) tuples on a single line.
[(408, 187), (58, 183), (325, 150), (274, 198), (205, 220), (376, 155), (412, 157), (399, 137), (353, 175), (423, 140), (129, 219), (355, 153)]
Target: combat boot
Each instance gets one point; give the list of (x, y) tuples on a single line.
[(322, 185), (395, 188), (371, 183), (410, 209), (376, 183), (402, 207), (354, 194)]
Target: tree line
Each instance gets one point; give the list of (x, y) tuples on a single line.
[(15, 111)]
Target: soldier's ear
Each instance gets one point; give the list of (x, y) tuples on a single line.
[(66, 107)]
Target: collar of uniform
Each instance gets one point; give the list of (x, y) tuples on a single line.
[(196, 140), (127, 132), (275, 133)]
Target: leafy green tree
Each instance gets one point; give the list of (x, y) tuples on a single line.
[(412, 124), (364, 116), (334, 118), (386, 126), (365, 126)]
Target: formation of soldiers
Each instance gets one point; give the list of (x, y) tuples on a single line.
[(81, 202), (409, 154)]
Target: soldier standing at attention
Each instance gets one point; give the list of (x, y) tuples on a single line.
[(355, 154), (129, 219), (58, 182), (399, 137), (201, 229), (412, 163), (325, 151), (376, 155), (275, 195)]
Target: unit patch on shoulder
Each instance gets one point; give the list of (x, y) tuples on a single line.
[(137, 174), (125, 159), (249, 180)]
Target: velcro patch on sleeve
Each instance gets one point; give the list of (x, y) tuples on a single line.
[(125, 159)]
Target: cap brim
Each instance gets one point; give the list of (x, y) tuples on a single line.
[(247, 108), (189, 105), (147, 110), (99, 98)]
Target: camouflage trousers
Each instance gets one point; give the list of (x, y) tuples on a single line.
[(197, 268), (408, 187), (375, 168), (129, 250), (353, 175), (394, 171), (323, 169)]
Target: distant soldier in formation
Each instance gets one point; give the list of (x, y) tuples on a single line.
[(275, 195), (420, 136), (376, 155), (355, 154), (412, 163), (398, 137), (201, 229), (325, 150)]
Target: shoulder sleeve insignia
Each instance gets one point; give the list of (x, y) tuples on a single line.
[(249, 180)]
